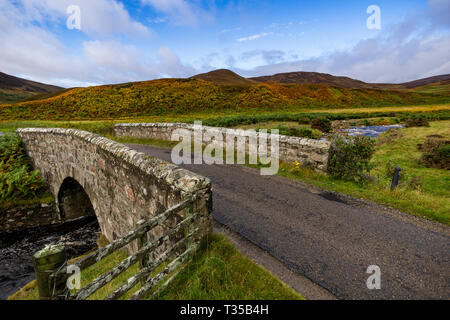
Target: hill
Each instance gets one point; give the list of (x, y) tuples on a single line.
[(302, 77), (436, 80), (442, 87), (13, 89), (224, 77), (193, 96)]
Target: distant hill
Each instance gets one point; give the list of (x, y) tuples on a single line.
[(442, 79), (173, 97), (224, 77), (303, 77), (13, 89)]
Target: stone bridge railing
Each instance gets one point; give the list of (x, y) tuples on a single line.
[(308, 152), (123, 186)]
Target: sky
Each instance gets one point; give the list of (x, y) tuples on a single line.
[(90, 42)]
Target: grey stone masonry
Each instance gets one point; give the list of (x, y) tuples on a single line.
[(308, 152), (123, 185)]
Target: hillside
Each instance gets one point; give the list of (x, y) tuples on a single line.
[(436, 80), (191, 96), (224, 77), (302, 77), (442, 87), (13, 89), (346, 82)]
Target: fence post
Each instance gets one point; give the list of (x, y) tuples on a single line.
[(395, 178), (46, 263), (189, 212), (141, 242)]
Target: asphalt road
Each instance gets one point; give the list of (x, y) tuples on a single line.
[(328, 238)]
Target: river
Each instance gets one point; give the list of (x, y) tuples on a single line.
[(16, 249), (371, 131)]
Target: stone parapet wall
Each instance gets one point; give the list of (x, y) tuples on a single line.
[(123, 185), (308, 152)]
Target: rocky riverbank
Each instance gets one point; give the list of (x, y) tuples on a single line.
[(16, 249)]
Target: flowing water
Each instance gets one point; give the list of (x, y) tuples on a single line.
[(371, 131), (16, 249)]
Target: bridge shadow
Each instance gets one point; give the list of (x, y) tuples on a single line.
[(73, 201)]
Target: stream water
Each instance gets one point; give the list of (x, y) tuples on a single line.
[(16, 249), (371, 131)]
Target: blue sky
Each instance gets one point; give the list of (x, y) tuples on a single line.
[(130, 40)]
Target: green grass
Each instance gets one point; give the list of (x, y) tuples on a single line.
[(220, 272), (234, 119), (217, 271), (442, 89)]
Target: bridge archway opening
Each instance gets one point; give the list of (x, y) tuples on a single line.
[(73, 201)]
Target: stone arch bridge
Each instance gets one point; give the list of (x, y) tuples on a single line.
[(89, 174)]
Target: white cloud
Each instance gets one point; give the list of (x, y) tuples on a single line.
[(35, 53), (255, 36), (98, 17), (170, 65)]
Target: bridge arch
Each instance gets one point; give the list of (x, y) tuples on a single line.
[(122, 185), (73, 201)]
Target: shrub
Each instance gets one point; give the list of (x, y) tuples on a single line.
[(436, 152), (417, 121), (350, 157), (17, 180), (322, 124), (304, 120)]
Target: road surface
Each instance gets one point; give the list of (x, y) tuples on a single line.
[(330, 239)]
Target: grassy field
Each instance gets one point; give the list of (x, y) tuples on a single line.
[(233, 119), (217, 272)]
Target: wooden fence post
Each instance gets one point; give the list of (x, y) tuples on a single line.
[(46, 263), (188, 213), (141, 242)]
